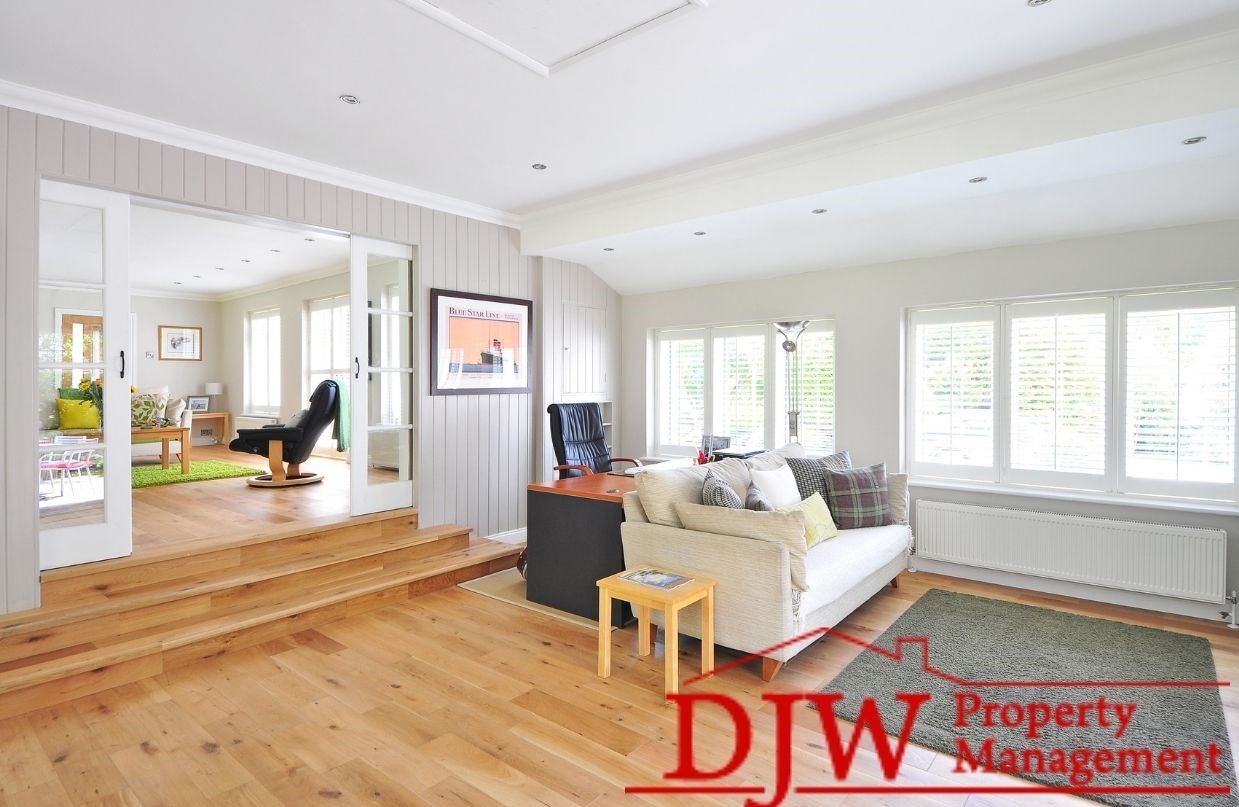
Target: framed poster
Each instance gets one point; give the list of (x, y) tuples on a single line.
[(479, 343), (180, 343)]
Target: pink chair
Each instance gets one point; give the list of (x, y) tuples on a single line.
[(72, 464)]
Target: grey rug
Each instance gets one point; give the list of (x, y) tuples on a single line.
[(983, 640)]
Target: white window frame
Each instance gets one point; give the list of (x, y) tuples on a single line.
[(268, 313), (774, 417), (821, 325), (961, 315), (1063, 479), (1181, 299), (310, 369), (1114, 484)]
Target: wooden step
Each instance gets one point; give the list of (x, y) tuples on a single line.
[(44, 681), (207, 594)]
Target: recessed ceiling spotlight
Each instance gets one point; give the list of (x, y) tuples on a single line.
[(819, 211), (275, 250), (351, 100), (1191, 141), (199, 277), (311, 240), (978, 180), (1035, 3), (177, 283), (219, 268), (538, 166), (700, 232), (608, 249), (245, 260)]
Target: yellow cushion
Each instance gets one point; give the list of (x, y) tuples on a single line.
[(818, 523), (77, 414)]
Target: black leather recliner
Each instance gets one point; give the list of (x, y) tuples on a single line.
[(293, 441), (579, 440)]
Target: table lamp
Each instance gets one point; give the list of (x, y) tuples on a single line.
[(213, 388)]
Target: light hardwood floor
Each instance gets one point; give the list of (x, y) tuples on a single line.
[(456, 699)]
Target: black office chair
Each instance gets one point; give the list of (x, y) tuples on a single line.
[(293, 441), (579, 440)]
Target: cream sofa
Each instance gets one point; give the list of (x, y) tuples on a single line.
[(757, 606), (155, 448)]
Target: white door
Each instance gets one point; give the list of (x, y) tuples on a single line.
[(383, 301), (83, 360)]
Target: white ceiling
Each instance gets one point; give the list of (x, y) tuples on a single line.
[(444, 113), (736, 119)]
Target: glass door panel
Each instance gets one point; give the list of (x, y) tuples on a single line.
[(82, 381), (382, 289)]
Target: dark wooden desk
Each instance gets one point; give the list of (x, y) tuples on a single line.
[(573, 541)]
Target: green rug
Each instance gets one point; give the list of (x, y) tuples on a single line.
[(982, 640), (150, 476)]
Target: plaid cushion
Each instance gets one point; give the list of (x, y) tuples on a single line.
[(810, 472), (716, 492), (859, 497)]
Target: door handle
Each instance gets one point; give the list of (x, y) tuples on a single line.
[(122, 364), (357, 372)]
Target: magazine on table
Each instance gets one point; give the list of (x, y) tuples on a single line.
[(656, 578)]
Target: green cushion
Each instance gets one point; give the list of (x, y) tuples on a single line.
[(72, 394)]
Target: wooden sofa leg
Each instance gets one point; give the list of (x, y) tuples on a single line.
[(770, 668), (894, 582)]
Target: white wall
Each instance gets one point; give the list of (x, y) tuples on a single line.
[(182, 378), (291, 301), (868, 305)]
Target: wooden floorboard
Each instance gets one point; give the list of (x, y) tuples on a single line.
[(455, 699)]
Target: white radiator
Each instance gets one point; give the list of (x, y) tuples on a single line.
[(1184, 562)]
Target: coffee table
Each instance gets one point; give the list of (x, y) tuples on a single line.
[(165, 435)]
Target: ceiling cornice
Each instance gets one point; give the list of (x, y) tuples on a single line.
[(1167, 83), (43, 102)]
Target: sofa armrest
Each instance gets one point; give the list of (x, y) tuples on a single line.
[(753, 598)]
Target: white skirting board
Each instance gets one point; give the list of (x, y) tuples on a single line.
[(516, 536), (1130, 599)]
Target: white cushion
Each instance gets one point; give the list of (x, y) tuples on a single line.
[(773, 459), (782, 528), (833, 567), (660, 490), (779, 485)]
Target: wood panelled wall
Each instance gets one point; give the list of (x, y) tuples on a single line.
[(476, 453), (580, 321)]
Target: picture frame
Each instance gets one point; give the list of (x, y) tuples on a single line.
[(198, 403), (479, 343), (180, 343)]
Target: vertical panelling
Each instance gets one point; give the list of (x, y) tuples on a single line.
[(234, 185), (49, 138), (127, 160), (327, 194), (296, 198), (9, 494), (173, 172), (102, 157), (344, 210), (313, 201), (150, 167), (277, 194), (77, 151), (216, 181), (255, 189), (20, 215), (195, 177)]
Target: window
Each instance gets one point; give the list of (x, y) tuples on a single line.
[(728, 380), (1179, 418), (327, 337), (262, 362), (953, 392), (1045, 392)]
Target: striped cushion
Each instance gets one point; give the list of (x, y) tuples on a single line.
[(717, 493), (810, 472), (859, 497)]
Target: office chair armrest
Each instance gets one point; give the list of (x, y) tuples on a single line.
[(585, 469), (626, 459)]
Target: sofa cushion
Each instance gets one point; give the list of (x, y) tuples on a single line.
[(859, 497), (782, 528), (818, 524), (833, 567), (174, 411), (810, 472), (756, 500), (769, 460), (145, 407), (77, 414), (778, 485), (717, 493), (897, 487), (660, 490)]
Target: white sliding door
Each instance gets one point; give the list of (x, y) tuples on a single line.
[(83, 376), (383, 301)]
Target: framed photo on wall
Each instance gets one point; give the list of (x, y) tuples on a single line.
[(180, 343), (479, 343)]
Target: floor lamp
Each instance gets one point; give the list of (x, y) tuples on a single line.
[(791, 331)]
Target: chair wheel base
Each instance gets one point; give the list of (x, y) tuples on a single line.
[(265, 481)]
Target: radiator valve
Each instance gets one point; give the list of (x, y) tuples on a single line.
[(1233, 599)]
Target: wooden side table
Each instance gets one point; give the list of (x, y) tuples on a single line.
[(670, 602)]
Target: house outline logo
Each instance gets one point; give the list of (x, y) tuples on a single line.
[(905, 648)]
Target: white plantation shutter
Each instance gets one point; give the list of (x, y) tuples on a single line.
[(740, 385), (952, 412), (327, 358), (681, 390), (1179, 412), (816, 348), (1058, 387), (262, 362)]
